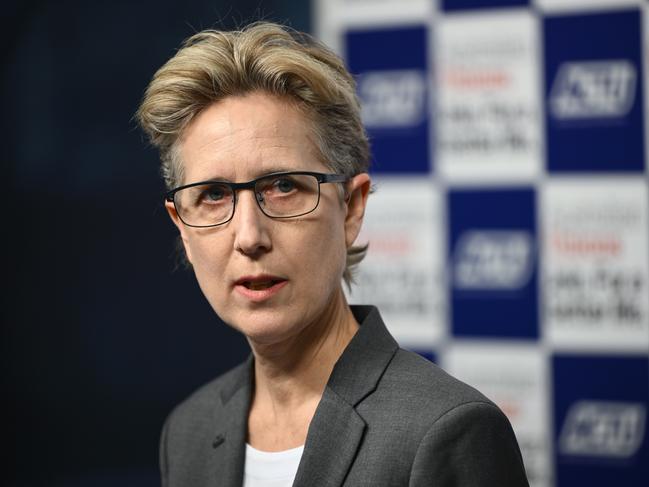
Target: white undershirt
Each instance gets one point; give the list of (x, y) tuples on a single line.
[(271, 469)]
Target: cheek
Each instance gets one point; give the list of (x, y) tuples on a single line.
[(326, 251), (208, 263)]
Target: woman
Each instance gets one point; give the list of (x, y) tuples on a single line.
[(266, 160)]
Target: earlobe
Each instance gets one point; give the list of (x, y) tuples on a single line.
[(358, 191), (173, 214)]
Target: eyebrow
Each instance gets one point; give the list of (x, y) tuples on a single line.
[(267, 171)]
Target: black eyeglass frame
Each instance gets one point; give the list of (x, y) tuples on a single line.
[(235, 187)]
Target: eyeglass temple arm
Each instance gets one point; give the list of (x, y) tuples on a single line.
[(334, 178)]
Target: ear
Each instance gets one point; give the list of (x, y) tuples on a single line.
[(173, 214), (358, 189)]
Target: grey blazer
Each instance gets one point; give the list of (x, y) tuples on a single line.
[(387, 418)]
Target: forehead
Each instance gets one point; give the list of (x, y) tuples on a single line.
[(239, 138)]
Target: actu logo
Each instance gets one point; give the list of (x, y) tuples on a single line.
[(493, 260), (393, 98), (593, 89), (603, 429)]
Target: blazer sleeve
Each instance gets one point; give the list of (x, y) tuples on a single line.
[(164, 465), (472, 445)]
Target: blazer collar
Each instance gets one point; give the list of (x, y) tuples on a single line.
[(359, 368)]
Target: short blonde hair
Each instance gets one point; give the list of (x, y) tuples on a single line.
[(267, 57)]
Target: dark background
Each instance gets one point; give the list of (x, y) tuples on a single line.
[(100, 337)]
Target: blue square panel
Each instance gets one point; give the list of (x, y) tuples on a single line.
[(493, 257), (600, 412), (391, 69), (593, 89), (451, 5)]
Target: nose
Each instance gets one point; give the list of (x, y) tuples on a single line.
[(250, 225)]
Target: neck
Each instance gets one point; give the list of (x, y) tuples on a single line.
[(305, 361), (290, 377)]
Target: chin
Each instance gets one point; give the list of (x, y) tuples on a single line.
[(265, 327)]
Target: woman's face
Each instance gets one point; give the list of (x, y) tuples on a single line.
[(268, 278)]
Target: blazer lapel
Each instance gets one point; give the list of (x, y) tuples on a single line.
[(334, 436), (336, 430), (231, 426)]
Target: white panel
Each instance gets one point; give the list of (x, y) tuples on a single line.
[(402, 271), (360, 12), (596, 267), (489, 97)]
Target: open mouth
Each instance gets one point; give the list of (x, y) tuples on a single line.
[(260, 285), (259, 288)]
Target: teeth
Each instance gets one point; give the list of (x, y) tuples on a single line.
[(258, 286)]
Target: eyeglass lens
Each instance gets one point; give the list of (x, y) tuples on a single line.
[(278, 196)]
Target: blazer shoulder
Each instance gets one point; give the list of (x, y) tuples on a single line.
[(473, 444), (439, 424), (205, 400), (425, 385)]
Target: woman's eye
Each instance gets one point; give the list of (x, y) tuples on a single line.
[(214, 193), (284, 185)]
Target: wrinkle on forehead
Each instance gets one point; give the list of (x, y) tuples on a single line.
[(253, 130)]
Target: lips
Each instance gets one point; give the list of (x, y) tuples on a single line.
[(260, 287)]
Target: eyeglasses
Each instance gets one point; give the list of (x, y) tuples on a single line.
[(279, 195)]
